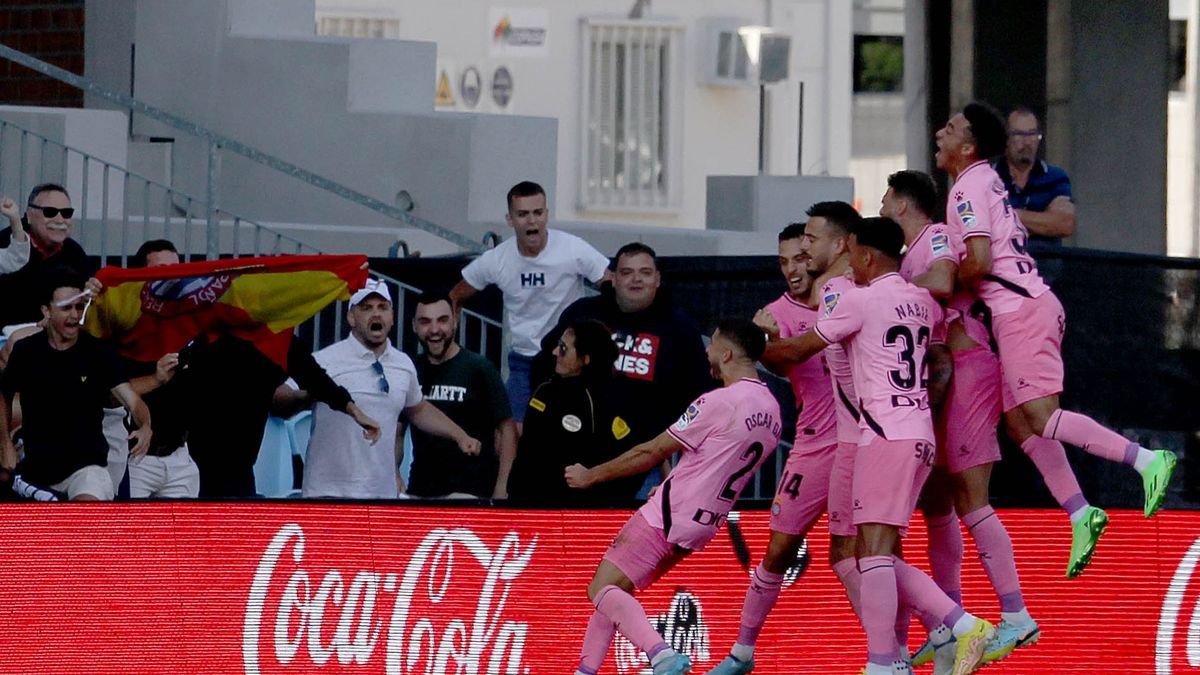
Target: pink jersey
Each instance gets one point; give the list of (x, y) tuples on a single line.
[(979, 207), (815, 424), (939, 241), (889, 323), (726, 435), (837, 360)]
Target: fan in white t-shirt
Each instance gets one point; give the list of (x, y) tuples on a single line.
[(540, 272)]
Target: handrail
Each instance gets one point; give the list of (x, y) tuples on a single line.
[(216, 140), (105, 166)]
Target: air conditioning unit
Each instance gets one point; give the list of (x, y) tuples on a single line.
[(737, 54)]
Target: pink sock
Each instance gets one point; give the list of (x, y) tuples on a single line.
[(879, 603), (629, 617), (904, 616), (946, 553), (596, 640), (847, 571), (996, 553), (1086, 433), (1050, 458), (918, 590), (760, 599)]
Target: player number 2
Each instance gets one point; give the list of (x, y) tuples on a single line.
[(753, 454), (905, 378)]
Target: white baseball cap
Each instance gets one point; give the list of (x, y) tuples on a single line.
[(373, 287)]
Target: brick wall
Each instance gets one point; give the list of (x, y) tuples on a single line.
[(51, 31)]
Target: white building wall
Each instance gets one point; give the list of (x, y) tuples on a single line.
[(719, 132)]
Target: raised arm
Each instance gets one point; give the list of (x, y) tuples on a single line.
[(793, 349)]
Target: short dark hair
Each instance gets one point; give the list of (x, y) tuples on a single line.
[(594, 340), (152, 246), (748, 337), (792, 231), (525, 188), (635, 248), (56, 278), (986, 128), (433, 296), (882, 234), (841, 215), (46, 187), (917, 187)]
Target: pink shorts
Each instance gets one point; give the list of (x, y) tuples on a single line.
[(803, 489), (641, 551), (1030, 342), (972, 412), (888, 476), (841, 486)]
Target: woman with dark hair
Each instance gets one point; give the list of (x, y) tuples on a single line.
[(573, 417)]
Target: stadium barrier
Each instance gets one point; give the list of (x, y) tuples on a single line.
[(264, 588)]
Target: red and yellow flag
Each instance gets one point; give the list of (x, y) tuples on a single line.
[(152, 311)]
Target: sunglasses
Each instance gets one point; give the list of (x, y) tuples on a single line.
[(383, 383), (52, 211)]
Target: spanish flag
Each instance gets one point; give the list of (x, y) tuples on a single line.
[(152, 311)]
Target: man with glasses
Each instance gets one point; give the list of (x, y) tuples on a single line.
[(344, 460), (1040, 192), (47, 221)]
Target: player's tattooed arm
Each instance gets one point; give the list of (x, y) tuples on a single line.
[(940, 366), (977, 263), (795, 349), (638, 459)]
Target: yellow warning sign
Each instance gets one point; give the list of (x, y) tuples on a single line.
[(444, 96)]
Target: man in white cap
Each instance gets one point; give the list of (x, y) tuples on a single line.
[(341, 462)]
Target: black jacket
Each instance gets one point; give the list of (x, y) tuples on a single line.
[(568, 421), (661, 368), (21, 290)]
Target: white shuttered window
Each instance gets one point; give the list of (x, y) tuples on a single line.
[(631, 111)]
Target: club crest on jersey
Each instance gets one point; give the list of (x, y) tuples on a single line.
[(689, 415), (940, 243), (966, 213)]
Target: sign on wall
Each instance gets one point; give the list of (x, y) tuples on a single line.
[(518, 31), (346, 588)]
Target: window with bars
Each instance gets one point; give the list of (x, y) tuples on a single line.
[(358, 27), (631, 78)]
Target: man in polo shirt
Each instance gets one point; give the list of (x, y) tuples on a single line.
[(1040, 192), (540, 272), (341, 461)]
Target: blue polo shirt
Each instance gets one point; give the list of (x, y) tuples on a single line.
[(1046, 182)]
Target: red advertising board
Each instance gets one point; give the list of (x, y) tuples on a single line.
[(338, 588)]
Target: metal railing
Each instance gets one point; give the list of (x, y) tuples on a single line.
[(118, 209), (217, 144)]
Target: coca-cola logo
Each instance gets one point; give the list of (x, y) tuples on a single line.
[(1181, 605), (300, 620)]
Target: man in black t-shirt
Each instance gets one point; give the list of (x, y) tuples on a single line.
[(64, 378), (467, 388)]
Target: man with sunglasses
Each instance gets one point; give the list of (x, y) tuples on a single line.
[(65, 378), (1040, 192), (47, 221), (342, 461)]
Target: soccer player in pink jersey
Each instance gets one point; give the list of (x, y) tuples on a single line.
[(723, 437), (801, 493), (966, 424), (887, 324), (1028, 323)]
